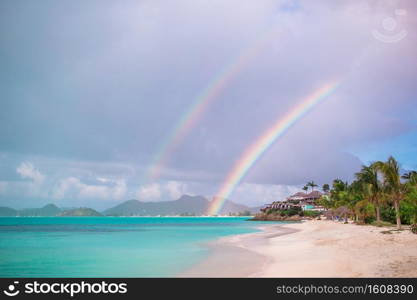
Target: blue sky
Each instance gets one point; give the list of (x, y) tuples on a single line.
[(403, 148), (91, 89)]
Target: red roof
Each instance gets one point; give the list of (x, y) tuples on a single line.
[(314, 194), (299, 194)]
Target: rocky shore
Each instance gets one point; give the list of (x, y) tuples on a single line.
[(276, 217)]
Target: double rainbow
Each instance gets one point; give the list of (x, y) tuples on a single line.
[(264, 142), (208, 96)]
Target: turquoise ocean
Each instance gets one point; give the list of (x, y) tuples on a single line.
[(109, 246)]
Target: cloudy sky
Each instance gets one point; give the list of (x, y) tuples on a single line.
[(91, 91)]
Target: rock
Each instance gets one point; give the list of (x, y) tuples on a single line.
[(274, 217)]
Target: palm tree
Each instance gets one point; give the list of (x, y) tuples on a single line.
[(326, 202), (368, 175), (411, 197), (326, 188), (337, 188), (392, 184), (411, 178), (364, 209), (409, 175), (305, 188), (357, 192), (339, 185), (311, 184)]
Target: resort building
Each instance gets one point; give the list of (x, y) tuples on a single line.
[(305, 201)]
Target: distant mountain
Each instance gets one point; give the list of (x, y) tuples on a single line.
[(255, 209), (185, 205), (7, 212), (48, 210), (80, 212), (231, 207)]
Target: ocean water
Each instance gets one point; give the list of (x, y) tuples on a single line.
[(109, 246)]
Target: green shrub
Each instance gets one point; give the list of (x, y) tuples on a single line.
[(294, 211), (407, 213), (291, 212), (310, 213), (369, 219), (388, 214), (381, 223)]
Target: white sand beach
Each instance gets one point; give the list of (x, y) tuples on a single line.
[(312, 249)]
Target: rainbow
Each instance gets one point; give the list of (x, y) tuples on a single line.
[(189, 119), (264, 142)]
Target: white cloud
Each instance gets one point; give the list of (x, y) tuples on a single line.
[(27, 170), (93, 191), (259, 194), (103, 180), (72, 187), (149, 192), (176, 189), (119, 190), (163, 191), (64, 186), (34, 187)]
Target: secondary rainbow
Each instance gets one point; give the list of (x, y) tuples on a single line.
[(189, 119), (252, 154)]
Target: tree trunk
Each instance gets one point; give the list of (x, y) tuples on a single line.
[(397, 213), (378, 214)]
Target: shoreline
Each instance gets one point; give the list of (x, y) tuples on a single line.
[(233, 256), (311, 249)]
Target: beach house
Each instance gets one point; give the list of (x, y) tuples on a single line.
[(305, 201)]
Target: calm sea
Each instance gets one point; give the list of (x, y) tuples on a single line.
[(109, 246)]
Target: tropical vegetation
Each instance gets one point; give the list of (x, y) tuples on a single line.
[(311, 184), (379, 194)]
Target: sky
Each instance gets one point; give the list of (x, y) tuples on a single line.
[(91, 91)]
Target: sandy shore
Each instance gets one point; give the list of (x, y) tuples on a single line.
[(312, 249)]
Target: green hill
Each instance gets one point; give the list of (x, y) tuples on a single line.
[(80, 212), (185, 205), (7, 212), (48, 210)]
